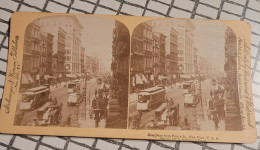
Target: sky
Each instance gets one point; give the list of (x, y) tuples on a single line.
[(97, 39), (210, 40)]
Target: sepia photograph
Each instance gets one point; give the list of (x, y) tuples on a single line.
[(183, 76), (75, 73)]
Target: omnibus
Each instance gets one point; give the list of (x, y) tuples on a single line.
[(73, 86), (151, 97), (34, 97)]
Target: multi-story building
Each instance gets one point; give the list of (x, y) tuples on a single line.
[(31, 54), (82, 60), (73, 44), (156, 54), (120, 77), (53, 25), (170, 47), (185, 30), (195, 62), (46, 50), (172, 75), (203, 66), (120, 53), (67, 45), (142, 56), (162, 54), (233, 119)]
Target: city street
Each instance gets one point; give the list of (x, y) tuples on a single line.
[(197, 115), (60, 92)]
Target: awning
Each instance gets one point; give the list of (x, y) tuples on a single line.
[(138, 79), (152, 77), (161, 77), (201, 75), (144, 78), (185, 76), (29, 78), (51, 77), (24, 79), (70, 75), (46, 77), (37, 77), (79, 75)]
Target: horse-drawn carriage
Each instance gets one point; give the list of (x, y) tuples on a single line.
[(48, 114), (165, 115)]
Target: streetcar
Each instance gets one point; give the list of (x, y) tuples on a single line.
[(34, 97), (73, 86), (189, 87), (149, 98)]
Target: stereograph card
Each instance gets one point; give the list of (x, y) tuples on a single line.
[(128, 77)]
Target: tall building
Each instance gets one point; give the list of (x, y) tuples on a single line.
[(120, 77), (156, 54), (73, 44), (67, 42), (53, 25), (186, 47), (46, 50), (170, 47), (172, 75), (141, 56), (82, 60), (195, 62), (31, 54), (162, 54), (233, 119)]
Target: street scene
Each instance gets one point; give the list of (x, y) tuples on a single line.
[(183, 77), (75, 73)]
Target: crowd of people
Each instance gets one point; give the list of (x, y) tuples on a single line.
[(99, 103)]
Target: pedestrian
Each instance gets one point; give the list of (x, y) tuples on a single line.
[(210, 108), (97, 118), (216, 120)]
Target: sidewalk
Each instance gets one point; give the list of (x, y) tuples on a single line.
[(208, 125), (86, 122)]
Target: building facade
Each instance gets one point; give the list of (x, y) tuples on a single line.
[(233, 119), (142, 71), (53, 26), (31, 55), (186, 48)]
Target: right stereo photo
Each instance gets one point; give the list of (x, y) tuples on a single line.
[(183, 76)]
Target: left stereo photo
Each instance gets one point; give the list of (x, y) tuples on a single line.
[(75, 73)]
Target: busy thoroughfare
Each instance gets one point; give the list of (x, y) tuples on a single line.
[(70, 114), (197, 115)]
